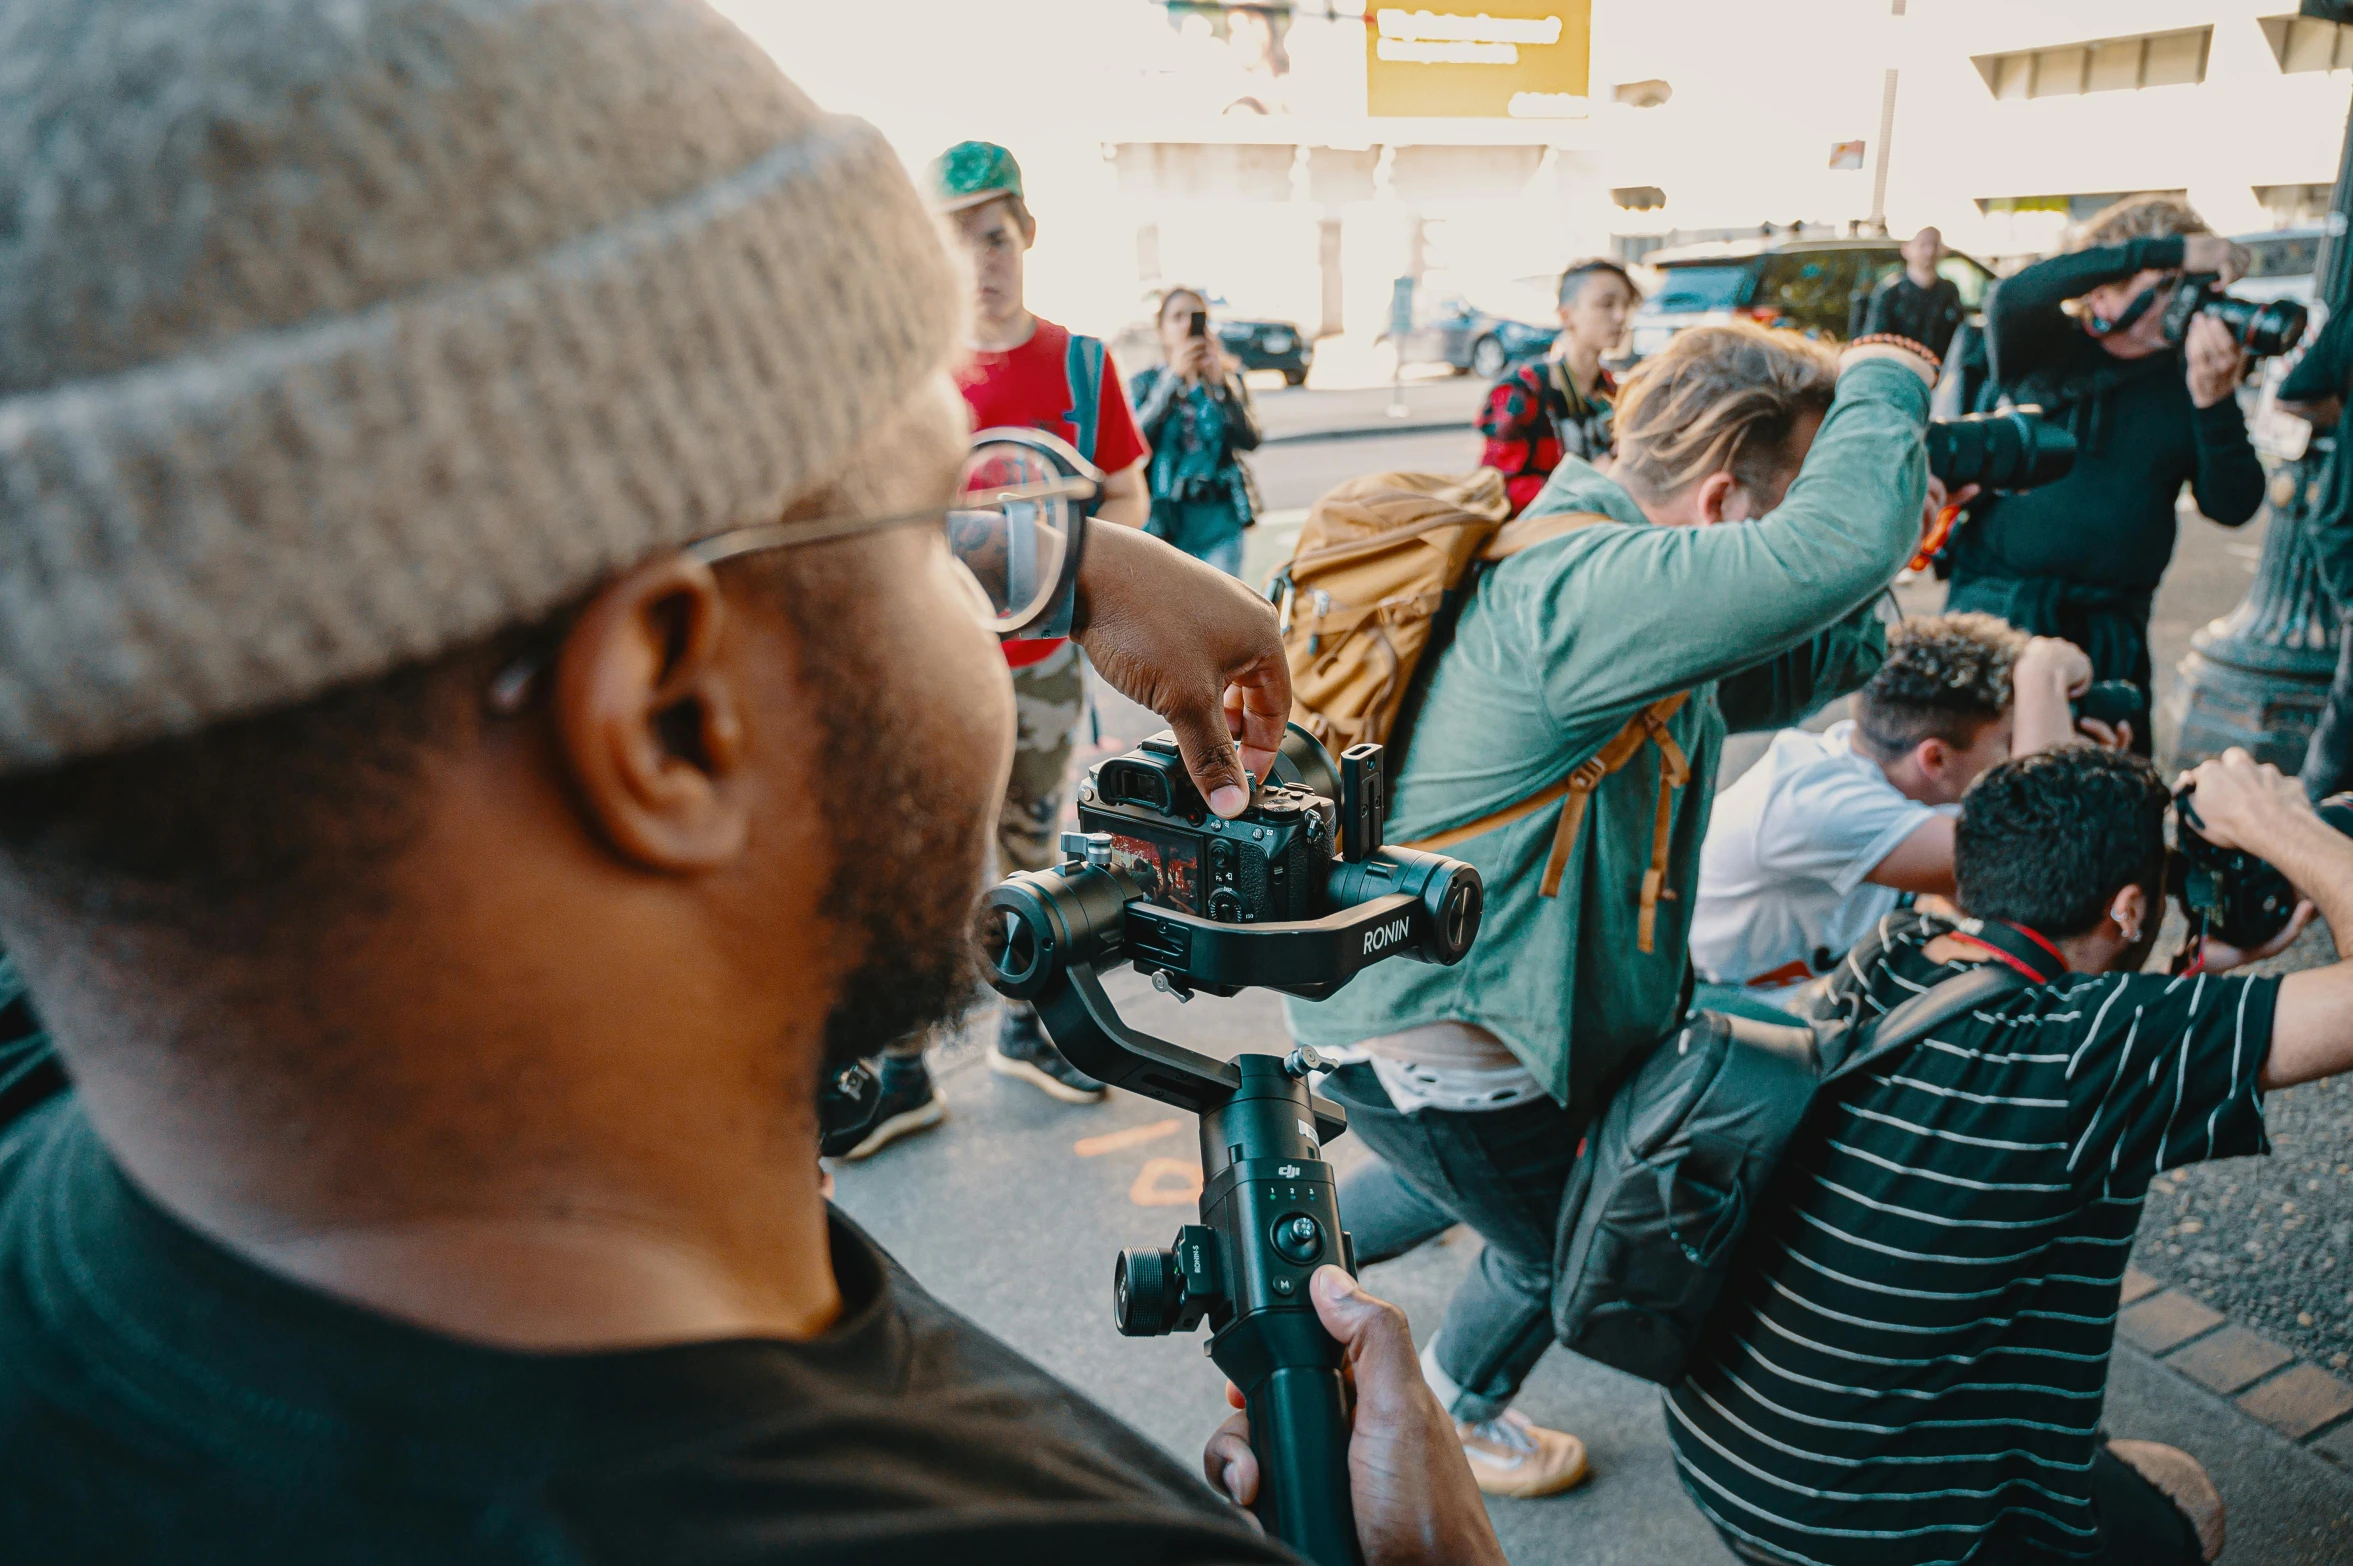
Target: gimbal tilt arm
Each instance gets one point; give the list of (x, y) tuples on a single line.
[(1269, 1210)]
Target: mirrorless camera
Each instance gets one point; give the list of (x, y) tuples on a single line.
[(2016, 448), (2264, 329), (2228, 893), (1307, 854)]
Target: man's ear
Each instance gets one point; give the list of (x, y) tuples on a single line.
[(1712, 496), (1933, 755), (649, 721), (2130, 911)]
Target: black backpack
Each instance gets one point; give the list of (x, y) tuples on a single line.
[(1677, 1165)]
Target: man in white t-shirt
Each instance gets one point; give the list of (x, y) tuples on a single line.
[(1818, 841)]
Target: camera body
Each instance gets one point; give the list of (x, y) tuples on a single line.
[(1266, 865), (2113, 702), (2016, 448), (2263, 329), (2228, 893)]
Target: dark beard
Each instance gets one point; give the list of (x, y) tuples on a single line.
[(907, 878)]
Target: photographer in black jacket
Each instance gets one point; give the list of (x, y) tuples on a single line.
[(2081, 335)]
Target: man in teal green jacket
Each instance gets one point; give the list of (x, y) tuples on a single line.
[(1475, 1082)]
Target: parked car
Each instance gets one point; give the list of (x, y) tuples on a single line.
[(1257, 344), (1267, 345), (1815, 286), (1473, 340)]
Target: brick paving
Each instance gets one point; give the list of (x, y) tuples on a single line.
[(2269, 1241)]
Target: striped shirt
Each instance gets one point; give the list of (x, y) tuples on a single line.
[(1912, 1357)]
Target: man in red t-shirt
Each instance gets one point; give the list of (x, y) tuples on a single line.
[(1028, 372)]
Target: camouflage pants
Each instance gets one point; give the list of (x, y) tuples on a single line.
[(1049, 697)]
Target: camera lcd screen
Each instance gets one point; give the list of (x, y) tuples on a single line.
[(1174, 863)]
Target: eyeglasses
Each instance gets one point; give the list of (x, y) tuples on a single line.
[(1013, 530)]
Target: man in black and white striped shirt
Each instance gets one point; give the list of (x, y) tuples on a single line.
[(1910, 1364)]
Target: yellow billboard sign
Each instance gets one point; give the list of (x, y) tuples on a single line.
[(1479, 59)]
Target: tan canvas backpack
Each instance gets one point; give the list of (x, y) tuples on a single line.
[(1368, 602)]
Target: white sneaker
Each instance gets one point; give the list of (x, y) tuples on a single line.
[(1511, 1455)]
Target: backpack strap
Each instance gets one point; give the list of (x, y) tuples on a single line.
[(1528, 532), (1082, 366), (1896, 1031), (1647, 727)]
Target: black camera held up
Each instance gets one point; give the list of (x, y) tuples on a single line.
[(2264, 329), (1297, 894), (2015, 448), (2228, 893)]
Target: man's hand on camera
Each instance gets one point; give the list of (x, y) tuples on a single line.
[(2222, 957), (2213, 253), (2243, 803), (1414, 1496), (1195, 646), (2058, 660), (2215, 362), (2116, 736)]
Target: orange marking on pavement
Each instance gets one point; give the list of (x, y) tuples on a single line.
[(1166, 1182), (1133, 1136)]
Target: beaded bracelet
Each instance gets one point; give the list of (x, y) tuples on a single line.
[(1890, 339)]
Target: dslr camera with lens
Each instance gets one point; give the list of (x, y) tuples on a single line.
[(2015, 448), (1297, 894), (2228, 893), (2264, 329)]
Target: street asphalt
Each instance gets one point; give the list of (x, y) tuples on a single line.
[(1014, 1210)]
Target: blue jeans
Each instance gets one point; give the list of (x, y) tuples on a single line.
[(1502, 1171), (1225, 554), (1208, 530)]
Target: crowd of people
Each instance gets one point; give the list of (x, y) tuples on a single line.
[(491, 722)]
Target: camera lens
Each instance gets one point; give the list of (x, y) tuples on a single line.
[(2264, 330), (2016, 449)]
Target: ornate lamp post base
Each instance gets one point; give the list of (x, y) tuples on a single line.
[(2259, 676)]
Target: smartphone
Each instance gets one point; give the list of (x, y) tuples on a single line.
[(1199, 324)]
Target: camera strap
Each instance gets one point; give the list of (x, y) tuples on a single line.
[(2015, 946), (1647, 727), (2142, 303)]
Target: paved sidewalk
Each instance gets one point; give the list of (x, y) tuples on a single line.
[(1014, 1210)]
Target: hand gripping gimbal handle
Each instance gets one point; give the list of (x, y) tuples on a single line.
[(1271, 1201), (1268, 1198)]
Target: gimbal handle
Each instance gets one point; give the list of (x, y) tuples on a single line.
[(1269, 1208)]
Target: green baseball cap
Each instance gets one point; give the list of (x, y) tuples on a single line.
[(970, 173)]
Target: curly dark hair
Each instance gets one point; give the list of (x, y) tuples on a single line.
[(2048, 840), (1946, 677)]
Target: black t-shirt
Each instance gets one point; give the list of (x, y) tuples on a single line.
[(163, 1400), (2110, 523), (1929, 316)]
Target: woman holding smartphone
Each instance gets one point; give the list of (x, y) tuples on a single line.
[(1196, 414)]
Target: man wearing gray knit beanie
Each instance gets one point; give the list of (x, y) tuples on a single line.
[(488, 722)]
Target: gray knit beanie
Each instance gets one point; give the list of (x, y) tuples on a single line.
[(338, 333)]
